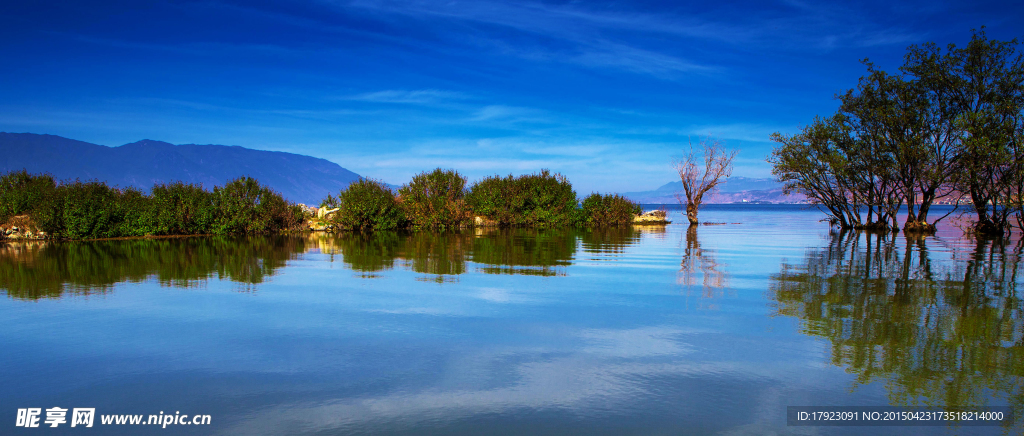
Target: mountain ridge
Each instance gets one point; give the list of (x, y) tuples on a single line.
[(732, 190), (141, 164)]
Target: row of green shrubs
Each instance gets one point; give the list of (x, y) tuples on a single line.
[(88, 210), (439, 200)]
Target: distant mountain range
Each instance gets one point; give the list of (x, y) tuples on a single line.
[(732, 190), (142, 164), (299, 178)]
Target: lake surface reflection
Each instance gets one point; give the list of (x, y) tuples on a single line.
[(676, 330)]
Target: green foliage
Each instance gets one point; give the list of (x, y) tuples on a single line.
[(329, 202), (182, 209), (541, 200), (435, 200), (90, 210), (608, 210), (952, 123), (978, 92), (244, 206), (813, 163), (20, 192), (369, 205)]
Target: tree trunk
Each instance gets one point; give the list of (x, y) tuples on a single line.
[(691, 213)]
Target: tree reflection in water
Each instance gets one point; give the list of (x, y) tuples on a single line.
[(34, 270), (700, 265), (444, 256), (608, 243), (441, 255), (945, 332), (537, 252)]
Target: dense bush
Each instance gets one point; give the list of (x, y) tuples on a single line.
[(608, 210), (80, 210), (21, 191), (368, 205), (435, 200), (182, 209), (244, 206), (89, 210), (529, 200)]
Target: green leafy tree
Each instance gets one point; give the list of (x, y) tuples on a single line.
[(541, 199), (183, 209), (981, 88), (245, 206), (812, 163), (20, 192), (952, 123), (435, 200), (608, 210), (91, 210), (369, 205)]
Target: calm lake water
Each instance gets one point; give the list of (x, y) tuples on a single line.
[(660, 330)]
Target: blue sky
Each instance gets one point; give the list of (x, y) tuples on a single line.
[(607, 93)]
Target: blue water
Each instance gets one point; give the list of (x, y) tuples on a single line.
[(655, 330)]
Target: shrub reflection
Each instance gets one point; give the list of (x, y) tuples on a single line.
[(33, 270), (49, 270)]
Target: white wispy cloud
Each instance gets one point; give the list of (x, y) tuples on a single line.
[(607, 54), (503, 112), (584, 31), (795, 24), (419, 96)]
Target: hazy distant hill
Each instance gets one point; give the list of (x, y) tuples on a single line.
[(299, 178), (732, 190)]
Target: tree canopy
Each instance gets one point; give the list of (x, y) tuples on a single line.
[(948, 126)]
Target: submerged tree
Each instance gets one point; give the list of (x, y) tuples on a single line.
[(818, 163), (699, 180), (951, 124), (981, 87)]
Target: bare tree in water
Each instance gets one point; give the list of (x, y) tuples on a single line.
[(699, 180)]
